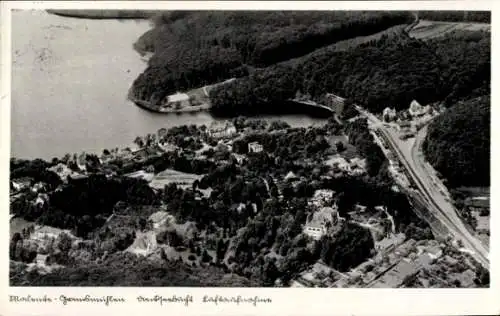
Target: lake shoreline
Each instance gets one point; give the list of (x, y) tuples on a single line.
[(103, 14)]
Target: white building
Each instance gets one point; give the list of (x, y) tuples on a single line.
[(340, 163), (389, 114), (322, 197), (20, 184), (221, 129), (255, 147), (290, 176), (44, 233), (42, 199), (416, 109), (357, 166), (160, 218), (319, 222), (62, 171), (390, 243), (178, 99)]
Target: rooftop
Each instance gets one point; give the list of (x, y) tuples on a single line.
[(178, 97), (159, 216), (220, 125), (395, 276), (324, 215)]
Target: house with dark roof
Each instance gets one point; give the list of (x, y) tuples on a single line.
[(335, 102)]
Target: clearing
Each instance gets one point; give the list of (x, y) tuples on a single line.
[(431, 29)]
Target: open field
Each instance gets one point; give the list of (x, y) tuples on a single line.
[(431, 29)]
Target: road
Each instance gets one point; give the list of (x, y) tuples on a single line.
[(438, 204)]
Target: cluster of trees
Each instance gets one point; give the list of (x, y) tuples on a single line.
[(359, 135), (352, 246), (277, 228), (370, 192), (192, 49), (183, 162), (458, 143), (288, 146), (35, 169), (125, 269), (391, 71), (83, 205), (456, 16), (18, 251)]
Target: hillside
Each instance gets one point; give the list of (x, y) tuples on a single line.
[(192, 49), (391, 71), (458, 143)]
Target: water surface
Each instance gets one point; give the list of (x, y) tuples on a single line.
[(69, 84)]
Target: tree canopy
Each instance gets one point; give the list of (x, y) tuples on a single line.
[(458, 143)]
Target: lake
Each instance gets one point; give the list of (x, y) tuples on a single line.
[(70, 79)]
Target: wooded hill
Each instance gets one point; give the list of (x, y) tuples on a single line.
[(192, 49), (458, 143), (391, 71)]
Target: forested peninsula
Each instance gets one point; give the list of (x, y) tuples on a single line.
[(104, 14)]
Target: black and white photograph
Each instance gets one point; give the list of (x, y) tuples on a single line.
[(250, 148)]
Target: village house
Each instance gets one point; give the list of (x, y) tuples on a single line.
[(160, 218), (21, 183), (62, 171), (404, 126), (417, 110), (321, 222), (390, 243), (167, 147), (178, 100), (389, 114), (322, 198), (44, 233), (339, 163), (396, 276), (464, 279), (221, 129), (478, 204), (255, 147), (335, 102), (239, 158), (42, 199), (291, 176), (357, 166), (38, 187)]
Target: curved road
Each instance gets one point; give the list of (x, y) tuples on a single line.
[(437, 203), (446, 207)]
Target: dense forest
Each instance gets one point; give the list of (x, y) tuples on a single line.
[(456, 16), (192, 49), (391, 71), (125, 269), (458, 143), (83, 205)]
